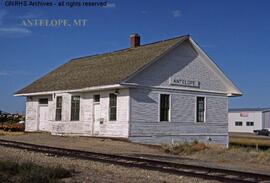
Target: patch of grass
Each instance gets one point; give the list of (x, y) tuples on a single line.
[(251, 154), (29, 172), (184, 148), (215, 153)]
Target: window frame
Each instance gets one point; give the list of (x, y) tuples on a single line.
[(109, 115), (159, 108), (241, 122), (95, 102), (252, 122), (196, 109), (58, 108), (41, 103), (71, 114)]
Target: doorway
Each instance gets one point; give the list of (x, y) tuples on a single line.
[(96, 112), (44, 124)]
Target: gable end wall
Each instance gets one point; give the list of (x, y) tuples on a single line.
[(181, 63), (146, 128)]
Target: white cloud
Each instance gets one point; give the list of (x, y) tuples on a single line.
[(14, 31), (110, 5), (11, 30), (29, 15), (176, 13)]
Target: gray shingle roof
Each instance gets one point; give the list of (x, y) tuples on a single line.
[(99, 70), (249, 109)]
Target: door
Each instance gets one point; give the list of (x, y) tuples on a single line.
[(43, 118), (44, 124), (96, 119)]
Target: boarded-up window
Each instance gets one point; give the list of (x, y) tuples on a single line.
[(113, 107), (164, 107), (75, 108), (200, 111), (58, 112)]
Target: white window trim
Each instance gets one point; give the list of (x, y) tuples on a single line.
[(250, 122), (170, 106), (238, 125), (205, 109), (94, 98), (38, 109), (109, 107), (43, 98), (71, 106), (61, 109)]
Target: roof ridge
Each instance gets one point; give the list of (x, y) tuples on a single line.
[(125, 49)]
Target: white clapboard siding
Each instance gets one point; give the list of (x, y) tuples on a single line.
[(144, 121), (84, 127), (217, 139), (32, 113), (182, 63)]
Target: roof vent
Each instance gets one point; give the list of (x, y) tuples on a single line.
[(135, 40)]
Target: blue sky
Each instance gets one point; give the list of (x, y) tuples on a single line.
[(234, 33)]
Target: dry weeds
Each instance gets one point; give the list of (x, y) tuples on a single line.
[(7, 133)]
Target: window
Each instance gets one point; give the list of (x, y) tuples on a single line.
[(113, 107), (96, 98), (238, 123), (58, 112), (43, 101), (250, 123), (164, 107), (200, 109), (75, 108)]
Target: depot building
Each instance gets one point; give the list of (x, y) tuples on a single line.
[(162, 92)]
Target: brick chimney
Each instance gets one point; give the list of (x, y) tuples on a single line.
[(134, 40)]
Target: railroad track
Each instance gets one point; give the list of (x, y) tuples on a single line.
[(223, 175)]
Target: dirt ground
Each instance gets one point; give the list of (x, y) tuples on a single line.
[(233, 158), (248, 135), (104, 145), (94, 172)]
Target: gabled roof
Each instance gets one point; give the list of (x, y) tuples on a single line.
[(232, 89), (99, 70), (114, 69), (249, 109)]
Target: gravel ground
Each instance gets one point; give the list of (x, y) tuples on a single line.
[(104, 145), (88, 171), (214, 157)]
